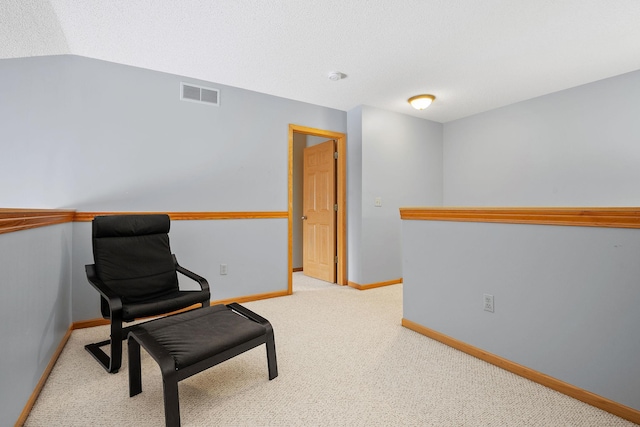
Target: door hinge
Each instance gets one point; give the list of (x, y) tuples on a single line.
[(336, 259), (335, 155), (335, 207)]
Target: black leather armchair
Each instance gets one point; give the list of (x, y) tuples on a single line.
[(136, 276)]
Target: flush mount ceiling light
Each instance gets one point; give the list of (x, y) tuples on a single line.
[(420, 102)]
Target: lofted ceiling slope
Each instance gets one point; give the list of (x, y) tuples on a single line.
[(473, 55)]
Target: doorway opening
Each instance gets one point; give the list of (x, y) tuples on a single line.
[(295, 132)]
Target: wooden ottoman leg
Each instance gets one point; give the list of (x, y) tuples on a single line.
[(271, 354), (135, 377), (171, 402)]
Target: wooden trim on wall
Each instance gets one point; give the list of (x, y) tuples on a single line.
[(22, 219), (533, 375), (43, 379), (374, 285), (185, 216), (616, 217)]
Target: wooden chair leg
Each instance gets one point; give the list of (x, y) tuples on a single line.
[(111, 363), (135, 375), (116, 346)]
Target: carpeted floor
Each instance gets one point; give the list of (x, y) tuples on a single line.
[(343, 360)]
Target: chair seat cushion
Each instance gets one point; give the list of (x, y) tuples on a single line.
[(195, 335), (167, 303)]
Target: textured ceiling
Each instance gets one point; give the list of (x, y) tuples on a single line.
[(473, 55)]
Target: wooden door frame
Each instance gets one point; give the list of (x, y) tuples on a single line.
[(341, 197)]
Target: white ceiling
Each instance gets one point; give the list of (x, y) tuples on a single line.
[(473, 55)]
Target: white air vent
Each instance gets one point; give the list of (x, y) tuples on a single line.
[(204, 95)]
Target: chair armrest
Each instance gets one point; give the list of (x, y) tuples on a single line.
[(114, 301), (204, 285), (244, 311)]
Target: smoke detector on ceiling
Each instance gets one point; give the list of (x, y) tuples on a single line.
[(334, 76)]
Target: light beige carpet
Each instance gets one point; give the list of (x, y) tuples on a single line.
[(343, 360)]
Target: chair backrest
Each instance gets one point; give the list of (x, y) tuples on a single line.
[(133, 257)]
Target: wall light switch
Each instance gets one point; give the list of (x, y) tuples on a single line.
[(378, 202)]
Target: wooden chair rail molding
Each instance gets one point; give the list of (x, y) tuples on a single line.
[(185, 216), (21, 219), (616, 217)]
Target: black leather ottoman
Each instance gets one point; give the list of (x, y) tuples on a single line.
[(190, 342)]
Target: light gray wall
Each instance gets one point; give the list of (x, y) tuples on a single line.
[(35, 309), (151, 151), (37, 112), (94, 135), (354, 194), (577, 147), (401, 162), (566, 298)]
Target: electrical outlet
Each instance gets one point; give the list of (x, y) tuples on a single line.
[(223, 269), (488, 302), (378, 202)]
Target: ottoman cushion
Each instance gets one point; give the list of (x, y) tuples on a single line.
[(195, 335)]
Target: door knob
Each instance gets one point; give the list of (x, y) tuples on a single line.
[(303, 217)]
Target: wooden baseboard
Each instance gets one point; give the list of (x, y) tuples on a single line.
[(102, 322), (374, 285), (585, 396), (255, 297), (43, 379), (296, 269), (248, 298), (89, 323)]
